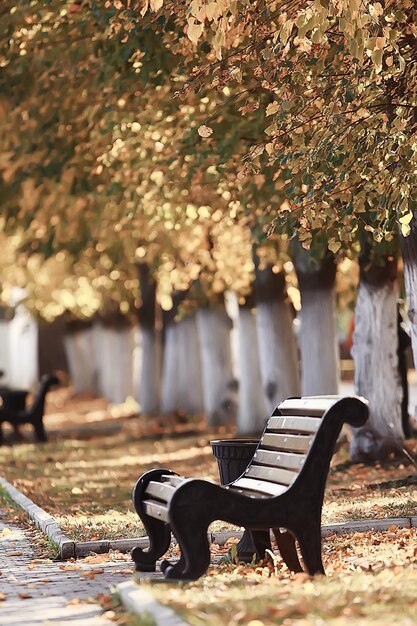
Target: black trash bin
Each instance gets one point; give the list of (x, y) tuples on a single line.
[(233, 456)]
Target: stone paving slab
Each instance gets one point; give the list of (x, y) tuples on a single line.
[(39, 592)]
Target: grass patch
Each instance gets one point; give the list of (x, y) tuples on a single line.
[(87, 485)]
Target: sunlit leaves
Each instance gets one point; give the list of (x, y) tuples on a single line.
[(205, 131)]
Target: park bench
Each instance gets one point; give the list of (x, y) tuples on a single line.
[(282, 489), (14, 410)]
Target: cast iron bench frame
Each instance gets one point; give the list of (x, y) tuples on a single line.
[(282, 488), (16, 413)]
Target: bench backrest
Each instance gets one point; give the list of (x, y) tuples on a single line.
[(286, 443)]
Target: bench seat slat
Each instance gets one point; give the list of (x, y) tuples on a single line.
[(163, 491), (260, 486), (313, 406), (293, 443), (156, 509), (272, 474), (287, 460), (172, 479), (294, 424)]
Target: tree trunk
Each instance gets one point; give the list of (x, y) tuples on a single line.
[(51, 356), (181, 371), (219, 385), (114, 360), (100, 358), (190, 387), (78, 342), (277, 347), (253, 412), (375, 344), (319, 348), (23, 350), (169, 382), (148, 394), (4, 352), (409, 252)]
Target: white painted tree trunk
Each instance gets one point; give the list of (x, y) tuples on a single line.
[(375, 344), (318, 343), (169, 384), (149, 387), (114, 351), (4, 352), (252, 412), (277, 351), (81, 362), (190, 387), (219, 385), (100, 358), (410, 281), (148, 395), (181, 370), (409, 251), (23, 369)]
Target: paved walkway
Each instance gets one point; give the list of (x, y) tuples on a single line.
[(37, 592)]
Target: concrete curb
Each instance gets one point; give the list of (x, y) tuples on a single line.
[(141, 602), (45, 522), (72, 549)]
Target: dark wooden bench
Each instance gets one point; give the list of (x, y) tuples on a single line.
[(14, 410), (282, 488)]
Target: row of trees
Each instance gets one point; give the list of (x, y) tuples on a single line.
[(175, 135)]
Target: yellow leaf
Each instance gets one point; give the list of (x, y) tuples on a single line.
[(334, 246), (377, 59), (405, 230), (156, 4), (271, 108), (195, 30), (406, 219)]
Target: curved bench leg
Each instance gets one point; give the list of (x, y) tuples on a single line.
[(309, 539), (195, 553), (262, 542), (159, 533), (286, 545), (40, 431), (165, 564)]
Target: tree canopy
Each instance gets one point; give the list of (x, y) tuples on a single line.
[(180, 132)]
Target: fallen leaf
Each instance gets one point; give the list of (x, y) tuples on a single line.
[(205, 131), (97, 558), (24, 596)]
